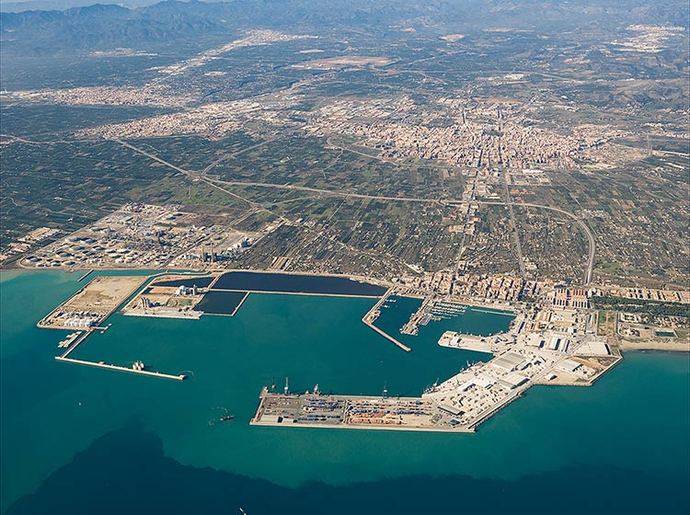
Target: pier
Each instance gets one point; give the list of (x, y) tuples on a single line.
[(388, 336), (84, 276), (370, 317), (412, 325), (179, 377), (83, 336), (237, 308)]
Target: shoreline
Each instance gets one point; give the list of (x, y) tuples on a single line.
[(358, 278), (674, 347)]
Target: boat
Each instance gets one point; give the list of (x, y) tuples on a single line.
[(226, 416)]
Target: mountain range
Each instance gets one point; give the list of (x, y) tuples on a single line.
[(101, 27)]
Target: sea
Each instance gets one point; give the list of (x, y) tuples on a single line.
[(80, 440)]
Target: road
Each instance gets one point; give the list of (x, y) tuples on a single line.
[(513, 225), (215, 183), (195, 176), (589, 271), (235, 154)]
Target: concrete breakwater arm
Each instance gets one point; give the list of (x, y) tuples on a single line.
[(388, 337), (178, 377), (370, 317)]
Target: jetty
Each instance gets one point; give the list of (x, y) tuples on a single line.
[(372, 315), (133, 370), (239, 305), (85, 275), (75, 339)]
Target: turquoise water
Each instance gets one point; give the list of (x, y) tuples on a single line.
[(66, 426)]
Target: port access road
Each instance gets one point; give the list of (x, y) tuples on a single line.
[(216, 183)]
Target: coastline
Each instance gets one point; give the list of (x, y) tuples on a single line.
[(628, 345)]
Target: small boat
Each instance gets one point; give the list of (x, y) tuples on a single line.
[(226, 418)]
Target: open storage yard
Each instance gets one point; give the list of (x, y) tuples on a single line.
[(93, 303)]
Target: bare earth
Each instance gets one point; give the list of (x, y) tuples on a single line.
[(94, 302)]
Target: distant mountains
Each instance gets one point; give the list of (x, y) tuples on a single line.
[(61, 5), (102, 27)]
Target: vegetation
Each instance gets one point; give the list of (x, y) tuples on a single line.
[(641, 306)]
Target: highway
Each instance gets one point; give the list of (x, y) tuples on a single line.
[(194, 176), (589, 271), (583, 226), (235, 154), (215, 183)]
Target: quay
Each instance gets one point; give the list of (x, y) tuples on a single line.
[(305, 293), (187, 315), (78, 311), (316, 410)]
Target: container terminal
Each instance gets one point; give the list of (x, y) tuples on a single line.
[(543, 346)]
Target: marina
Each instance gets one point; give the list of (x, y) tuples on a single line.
[(370, 317)]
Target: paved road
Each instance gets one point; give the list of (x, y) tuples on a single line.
[(585, 229), (513, 225), (216, 182), (331, 193), (194, 176), (235, 154)]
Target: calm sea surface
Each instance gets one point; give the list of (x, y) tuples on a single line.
[(82, 440)]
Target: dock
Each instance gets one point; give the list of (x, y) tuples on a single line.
[(412, 325)]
